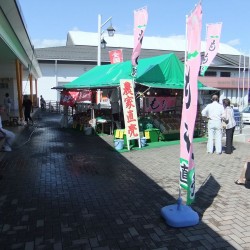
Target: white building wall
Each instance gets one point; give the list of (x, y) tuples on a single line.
[(238, 98), (232, 95), (57, 75)]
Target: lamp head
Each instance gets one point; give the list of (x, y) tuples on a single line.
[(103, 43), (111, 30)]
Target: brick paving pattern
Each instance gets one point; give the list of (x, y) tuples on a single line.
[(64, 190)]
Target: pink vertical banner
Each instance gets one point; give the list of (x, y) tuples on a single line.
[(190, 98), (212, 45), (140, 24)]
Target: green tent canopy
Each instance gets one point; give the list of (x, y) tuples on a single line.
[(164, 71)]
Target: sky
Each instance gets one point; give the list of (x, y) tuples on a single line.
[(49, 21)]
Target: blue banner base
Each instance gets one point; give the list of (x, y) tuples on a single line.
[(179, 215)]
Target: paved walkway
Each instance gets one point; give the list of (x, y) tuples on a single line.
[(64, 190)]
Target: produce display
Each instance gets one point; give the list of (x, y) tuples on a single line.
[(167, 123)]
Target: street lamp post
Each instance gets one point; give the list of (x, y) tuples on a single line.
[(111, 32)]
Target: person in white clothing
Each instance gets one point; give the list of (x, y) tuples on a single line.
[(5, 134), (7, 103), (214, 112)]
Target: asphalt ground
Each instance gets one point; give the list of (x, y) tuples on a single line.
[(62, 189)]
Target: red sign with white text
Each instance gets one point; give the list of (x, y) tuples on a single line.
[(116, 56), (84, 95), (69, 98)]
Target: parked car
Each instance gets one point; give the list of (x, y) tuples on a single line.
[(245, 113)]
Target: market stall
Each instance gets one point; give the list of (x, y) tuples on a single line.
[(158, 87)]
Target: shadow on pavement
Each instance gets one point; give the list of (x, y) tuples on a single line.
[(64, 190), (205, 195)]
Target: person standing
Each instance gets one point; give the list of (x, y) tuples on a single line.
[(245, 174), (27, 105), (228, 118), (7, 135), (214, 112), (115, 107), (7, 103), (42, 102)]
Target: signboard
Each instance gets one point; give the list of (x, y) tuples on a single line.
[(84, 95), (159, 103), (116, 56), (129, 109), (69, 98)]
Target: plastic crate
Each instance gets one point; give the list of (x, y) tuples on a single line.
[(152, 135), (119, 133)]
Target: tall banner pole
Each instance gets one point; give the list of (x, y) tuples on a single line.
[(238, 95), (189, 107), (213, 34), (248, 99), (181, 215), (140, 24), (184, 80), (243, 81)]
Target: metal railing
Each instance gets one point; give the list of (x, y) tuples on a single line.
[(238, 127), (56, 107)]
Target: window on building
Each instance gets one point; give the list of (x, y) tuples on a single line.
[(3, 85), (210, 73), (225, 74)]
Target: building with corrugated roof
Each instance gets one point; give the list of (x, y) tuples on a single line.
[(61, 65)]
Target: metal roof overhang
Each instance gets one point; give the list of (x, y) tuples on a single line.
[(15, 43)]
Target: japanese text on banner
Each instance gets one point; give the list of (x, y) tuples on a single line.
[(140, 24), (129, 109), (212, 45), (190, 98)]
